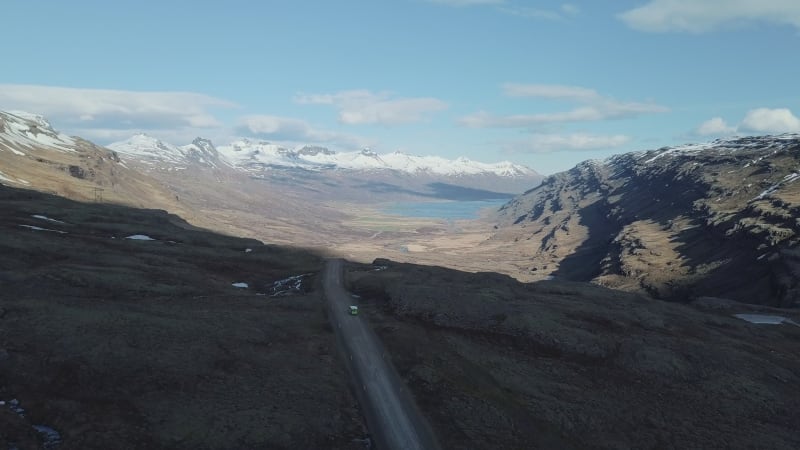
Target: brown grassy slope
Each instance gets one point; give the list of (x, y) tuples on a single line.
[(498, 364), (119, 343)]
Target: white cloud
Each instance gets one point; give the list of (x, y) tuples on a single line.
[(545, 143), (468, 2), (570, 9), (107, 115), (532, 13), (756, 121), (596, 108), (765, 120), (526, 12), (714, 127), (697, 16), (75, 108), (296, 130), (359, 107), (551, 91)]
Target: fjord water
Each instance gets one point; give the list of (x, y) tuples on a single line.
[(451, 210)]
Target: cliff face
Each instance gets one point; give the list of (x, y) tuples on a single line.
[(719, 219)]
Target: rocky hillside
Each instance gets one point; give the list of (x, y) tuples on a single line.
[(717, 219), (495, 363), (34, 155)]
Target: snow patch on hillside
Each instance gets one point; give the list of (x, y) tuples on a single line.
[(770, 144), (26, 130)]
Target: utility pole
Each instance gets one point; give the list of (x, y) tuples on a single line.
[(98, 194)]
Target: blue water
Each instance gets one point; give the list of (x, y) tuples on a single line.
[(443, 210)]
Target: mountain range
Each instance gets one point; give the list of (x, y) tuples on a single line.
[(257, 156)]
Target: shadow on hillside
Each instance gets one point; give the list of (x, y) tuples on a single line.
[(584, 263), (636, 201), (85, 248), (735, 267)]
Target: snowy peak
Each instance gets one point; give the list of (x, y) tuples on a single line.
[(37, 119), (260, 155), (20, 130), (202, 151), (313, 150), (151, 150), (719, 147), (369, 153)]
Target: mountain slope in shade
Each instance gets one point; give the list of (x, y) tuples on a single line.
[(715, 219)]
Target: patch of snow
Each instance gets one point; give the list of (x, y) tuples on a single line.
[(31, 130), (248, 250), (288, 286), (140, 237), (51, 437), (149, 150), (786, 180), (35, 228), (17, 152), (39, 216), (4, 177), (240, 285), (14, 405), (764, 319)]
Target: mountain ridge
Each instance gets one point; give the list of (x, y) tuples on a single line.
[(252, 155), (680, 222)]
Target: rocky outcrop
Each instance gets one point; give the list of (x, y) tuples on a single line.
[(718, 219)]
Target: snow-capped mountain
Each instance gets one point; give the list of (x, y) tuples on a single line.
[(20, 130), (152, 151), (312, 171), (256, 156), (395, 172)]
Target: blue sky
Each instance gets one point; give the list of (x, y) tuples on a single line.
[(543, 83)]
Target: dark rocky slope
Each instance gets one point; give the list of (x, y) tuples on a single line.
[(721, 219), (123, 343), (499, 364)]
